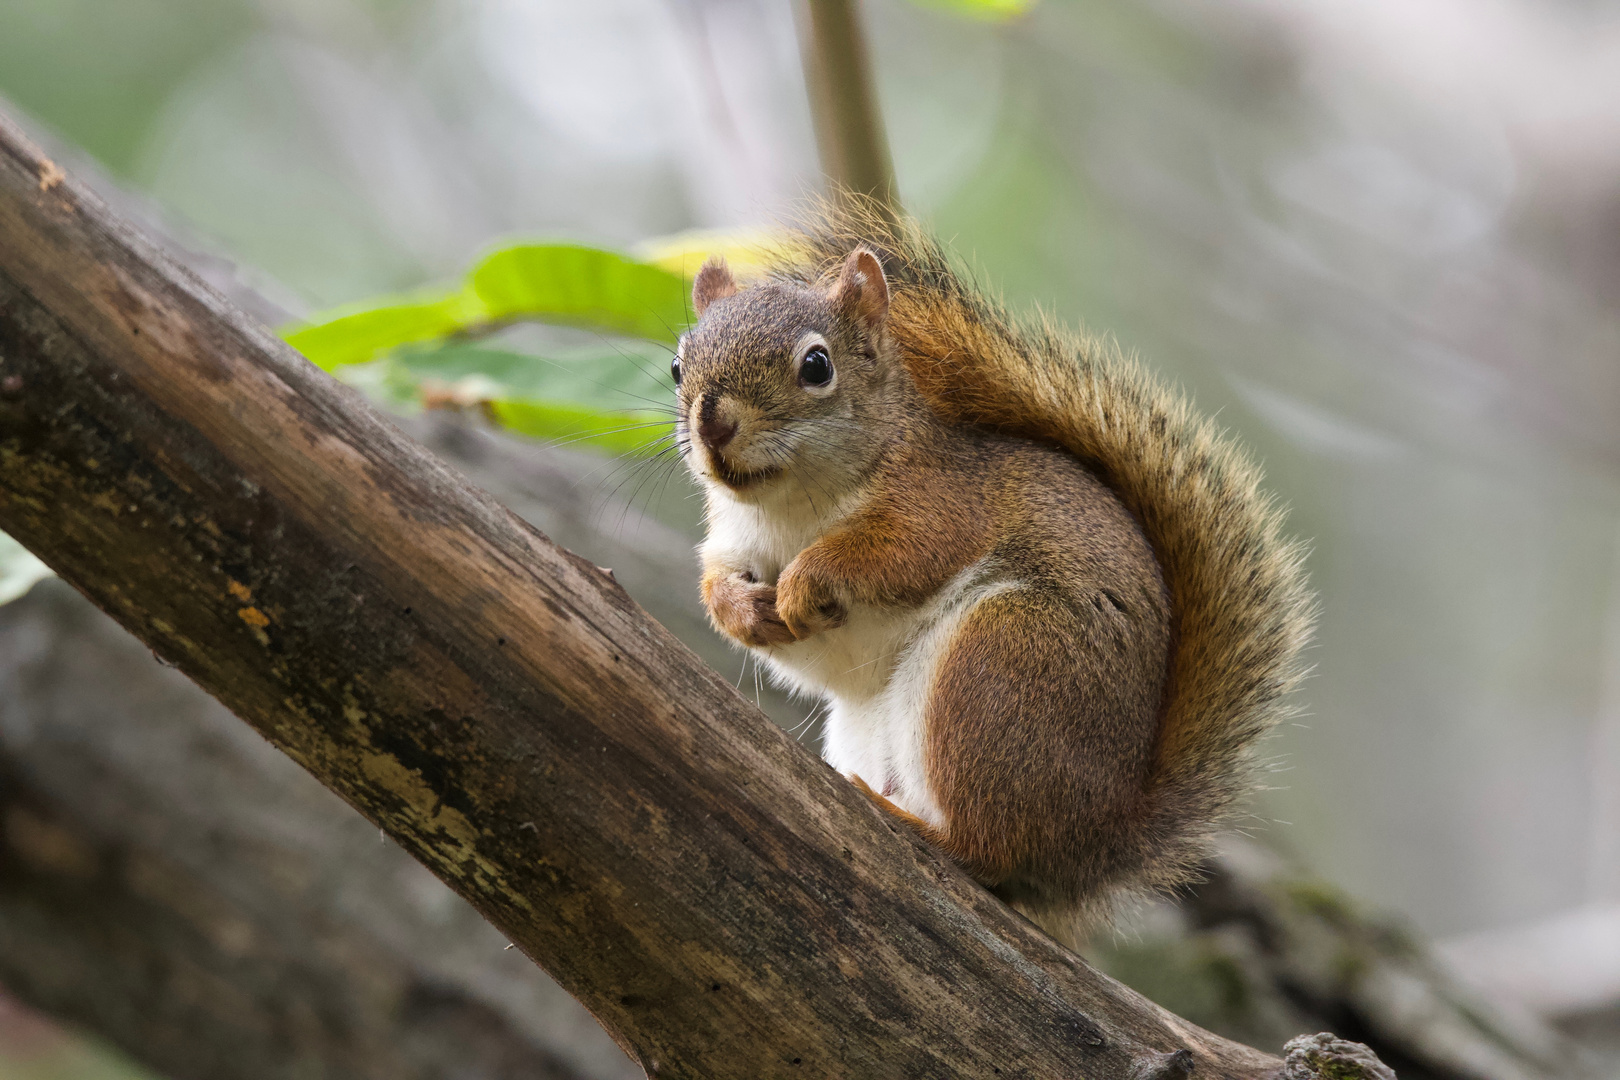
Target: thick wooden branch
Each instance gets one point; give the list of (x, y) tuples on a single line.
[(172, 883), (288, 942), (724, 903)]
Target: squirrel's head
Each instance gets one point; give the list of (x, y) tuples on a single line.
[(786, 381)]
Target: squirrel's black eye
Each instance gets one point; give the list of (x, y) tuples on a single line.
[(816, 368), (675, 370)]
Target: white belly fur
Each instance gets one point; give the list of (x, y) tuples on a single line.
[(875, 671), (881, 737)]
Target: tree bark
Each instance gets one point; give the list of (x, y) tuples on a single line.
[(723, 903), (292, 943), (173, 883)]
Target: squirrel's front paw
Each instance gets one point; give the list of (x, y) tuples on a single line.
[(806, 605), (746, 609)]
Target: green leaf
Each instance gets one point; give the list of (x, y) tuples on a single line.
[(365, 334), (610, 403), (556, 283), (582, 286), (571, 425), (986, 10), (632, 375)]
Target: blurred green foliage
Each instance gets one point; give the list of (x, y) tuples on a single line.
[(994, 10), (111, 68)]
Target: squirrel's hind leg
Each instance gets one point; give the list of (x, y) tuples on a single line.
[(1038, 734), (1070, 924), (931, 833)]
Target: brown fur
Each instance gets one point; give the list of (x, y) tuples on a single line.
[(924, 521), (1042, 721), (744, 609), (713, 282), (1088, 729)]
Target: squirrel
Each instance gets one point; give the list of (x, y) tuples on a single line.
[(1047, 604)]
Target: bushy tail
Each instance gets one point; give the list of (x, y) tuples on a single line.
[(1241, 611)]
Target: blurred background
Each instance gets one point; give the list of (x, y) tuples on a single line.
[(1380, 238)]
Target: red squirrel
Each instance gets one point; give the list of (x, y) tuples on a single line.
[(1047, 605)]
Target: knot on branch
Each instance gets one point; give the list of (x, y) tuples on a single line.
[(1176, 1065), (1326, 1057)]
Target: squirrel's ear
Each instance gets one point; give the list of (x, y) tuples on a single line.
[(713, 282), (862, 290)]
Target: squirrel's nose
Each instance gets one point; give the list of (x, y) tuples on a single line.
[(715, 432)]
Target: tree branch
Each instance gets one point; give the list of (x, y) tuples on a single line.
[(726, 905), (843, 102), (180, 888)]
